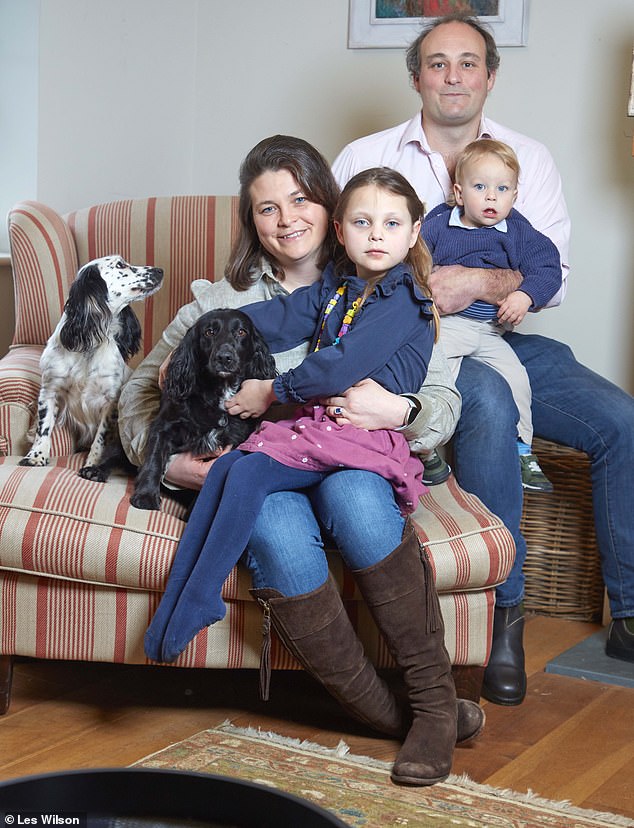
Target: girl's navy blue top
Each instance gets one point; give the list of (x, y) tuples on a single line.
[(390, 339)]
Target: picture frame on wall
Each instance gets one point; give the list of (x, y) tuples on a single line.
[(630, 105), (394, 24)]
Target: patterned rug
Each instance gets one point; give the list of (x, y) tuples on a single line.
[(358, 790)]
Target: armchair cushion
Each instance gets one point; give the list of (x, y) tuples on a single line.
[(64, 523)]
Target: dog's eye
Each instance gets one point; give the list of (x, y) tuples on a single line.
[(209, 332), (121, 265), (241, 332)]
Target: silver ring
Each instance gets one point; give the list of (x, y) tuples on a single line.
[(337, 410)]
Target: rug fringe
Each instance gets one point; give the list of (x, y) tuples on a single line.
[(342, 751), (531, 798)]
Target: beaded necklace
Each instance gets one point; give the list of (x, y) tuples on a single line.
[(347, 318)]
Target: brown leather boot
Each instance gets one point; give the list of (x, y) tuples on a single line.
[(316, 629), (303, 627), (402, 598)]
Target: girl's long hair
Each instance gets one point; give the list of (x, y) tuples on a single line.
[(418, 257), (315, 179)]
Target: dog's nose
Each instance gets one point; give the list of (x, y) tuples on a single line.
[(226, 357), (152, 278)]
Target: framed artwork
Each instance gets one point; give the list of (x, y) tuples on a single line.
[(630, 105), (394, 24)]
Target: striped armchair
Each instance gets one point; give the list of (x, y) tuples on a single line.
[(81, 571)]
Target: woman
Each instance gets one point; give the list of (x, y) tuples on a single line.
[(287, 196)]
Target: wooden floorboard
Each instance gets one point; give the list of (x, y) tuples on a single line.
[(571, 739)]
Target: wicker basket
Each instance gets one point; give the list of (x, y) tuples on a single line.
[(562, 569)]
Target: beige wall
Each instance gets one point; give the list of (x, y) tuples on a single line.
[(142, 97)]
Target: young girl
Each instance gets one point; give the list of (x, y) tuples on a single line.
[(369, 316)]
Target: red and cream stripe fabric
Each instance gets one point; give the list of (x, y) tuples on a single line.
[(19, 388), (85, 556), (44, 262), (69, 620)]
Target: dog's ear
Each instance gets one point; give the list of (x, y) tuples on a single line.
[(262, 364), (87, 311), (128, 337), (184, 367)]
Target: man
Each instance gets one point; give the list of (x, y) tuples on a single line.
[(453, 65)]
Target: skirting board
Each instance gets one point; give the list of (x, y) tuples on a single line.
[(587, 660)]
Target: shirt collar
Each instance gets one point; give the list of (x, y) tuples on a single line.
[(455, 220), (485, 130), (265, 268), (414, 132), (265, 271)]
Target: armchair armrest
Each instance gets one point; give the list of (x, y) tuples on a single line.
[(44, 262), (19, 389)]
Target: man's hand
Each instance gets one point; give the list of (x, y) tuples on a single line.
[(514, 308), (253, 398), (454, 287), (188, 471), (368, 405)]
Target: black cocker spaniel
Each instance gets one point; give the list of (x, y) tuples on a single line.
[(217, 353)]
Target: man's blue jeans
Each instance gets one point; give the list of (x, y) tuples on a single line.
[(573, 406), (354, 509)]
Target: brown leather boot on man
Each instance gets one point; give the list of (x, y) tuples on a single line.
[(402, 598)]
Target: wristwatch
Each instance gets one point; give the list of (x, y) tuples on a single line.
[(414, 410)]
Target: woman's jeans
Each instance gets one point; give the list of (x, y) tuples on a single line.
[(353, 509), (572, 406)]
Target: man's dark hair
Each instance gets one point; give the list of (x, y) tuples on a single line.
[(412, 56)]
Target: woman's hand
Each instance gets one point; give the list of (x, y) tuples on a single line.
[(253, 398), (188, 471), (368, 405)]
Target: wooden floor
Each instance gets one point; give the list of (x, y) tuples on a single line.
[(571, 739)]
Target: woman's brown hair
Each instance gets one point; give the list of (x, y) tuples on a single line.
[(313, 175)]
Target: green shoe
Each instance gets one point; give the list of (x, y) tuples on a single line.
[(435, 469), (533, 478)]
